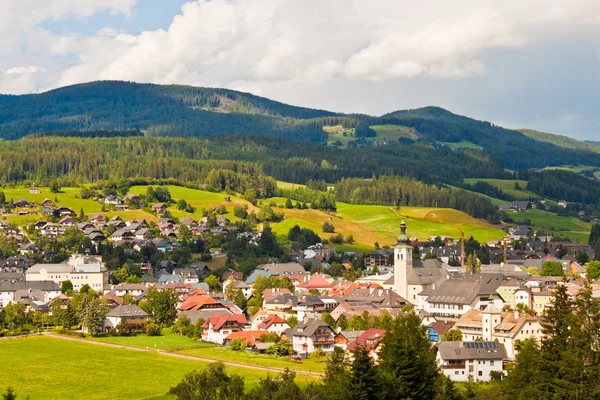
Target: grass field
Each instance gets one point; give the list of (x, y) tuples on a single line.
[(167, 341), (394, 132), (551, 223), (368, 224), (48, 368), (225, 354), (462, 145), (507, 186), (577, 169)]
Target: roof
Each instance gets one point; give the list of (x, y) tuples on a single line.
[(47, 286), (316, 281), (510, 322), (283, 268), (205, 314), (124, 311), (308, 327), (441, 327), (471, 351), (350, 336), (218, 321), (459, 291), (270, 320), (199, 301), (369, 339), (250, 336), (50, 268)]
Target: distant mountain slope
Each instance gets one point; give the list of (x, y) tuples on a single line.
[(199, 112), (518, 150), (159, 110), (561, 141)]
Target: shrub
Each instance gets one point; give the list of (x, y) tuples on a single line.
[(152, 329)]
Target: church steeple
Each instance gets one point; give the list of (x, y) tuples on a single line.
[(403, 238), (403, 265)]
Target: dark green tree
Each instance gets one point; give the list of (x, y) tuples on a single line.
[(365, 382)]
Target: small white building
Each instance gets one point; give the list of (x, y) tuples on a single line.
[(461, 360), (311, 334), (130, 314)]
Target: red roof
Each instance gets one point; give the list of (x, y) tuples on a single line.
[(316, 281), (197, 301), (250, 336), (217, 321), (369, 339), (159, 205), (270, 320), (441, 327)]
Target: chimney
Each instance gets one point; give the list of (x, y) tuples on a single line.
[(516, 315)]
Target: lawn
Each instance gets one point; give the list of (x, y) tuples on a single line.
[(551, 223), (220, 353), (167, 341), (49, 368), (507, 186), (463, 144), (577, 169), (394, 132)]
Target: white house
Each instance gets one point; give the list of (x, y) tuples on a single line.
[(273, 323), (80, 270), (311, 334), (129, 313), (454, 297), (502, 327), (218, 327), (11, 291), (461, 360)]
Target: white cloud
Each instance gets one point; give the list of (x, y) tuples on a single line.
[(259, 43), (28, 69)]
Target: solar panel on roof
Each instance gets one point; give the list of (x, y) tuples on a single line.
[(481, 345)]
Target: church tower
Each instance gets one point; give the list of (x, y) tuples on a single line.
[(403, 264)]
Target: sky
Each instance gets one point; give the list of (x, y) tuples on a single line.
[(517, 63)]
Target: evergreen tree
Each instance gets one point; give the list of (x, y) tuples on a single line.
[(365, 383), (407, 360)]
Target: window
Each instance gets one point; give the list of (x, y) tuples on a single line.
[(480, 373), (491, 363)]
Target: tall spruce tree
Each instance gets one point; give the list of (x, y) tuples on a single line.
[(365, 383), (407, 360)]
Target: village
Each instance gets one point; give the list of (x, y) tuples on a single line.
[(478, 302)]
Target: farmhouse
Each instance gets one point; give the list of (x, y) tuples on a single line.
[(460, 361)]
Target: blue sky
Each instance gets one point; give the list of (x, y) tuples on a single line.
[(533, 63)]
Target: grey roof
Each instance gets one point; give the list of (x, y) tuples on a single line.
[(47, 286), (471, 351), (351, 336), (460, 291), (51, 268), (129, 310), (426, 272), (284, 268), (308, 327)]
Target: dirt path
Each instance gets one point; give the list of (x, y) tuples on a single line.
[(182, 356)]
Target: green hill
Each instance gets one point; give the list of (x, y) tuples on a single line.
[(176, 110)]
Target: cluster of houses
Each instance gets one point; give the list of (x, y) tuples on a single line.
[(493, 309)]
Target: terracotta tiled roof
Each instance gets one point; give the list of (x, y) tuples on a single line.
[(270, 320), (250, 336), (197, 301), (316, 281), (369, 339), (217, 321)]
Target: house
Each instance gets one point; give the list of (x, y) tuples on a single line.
[(251, 337), (11, 292), (200, 301), (113, 200), (316, 282), (162, 245), (283, 268), (503, 327), (132, 289), (48, 203), (520, 205), (311, 334), (22, 203), (129, 314), (62, 211), (273, 323), (190, 275), (98, 219), (378, 258), (562, 203), (67, 221), (112, 300), (370, 340), (219, 327), (122, 235), (454, 297), (344, 338), (461, 360), (237, 275), (159, 208), (131, 198), (28, 248), (436, 330), (80, 270), (33, 190)]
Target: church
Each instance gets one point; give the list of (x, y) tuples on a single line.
[(411, 277)]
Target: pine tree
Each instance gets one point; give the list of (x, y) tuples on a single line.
[(364, 378), (407, 360)]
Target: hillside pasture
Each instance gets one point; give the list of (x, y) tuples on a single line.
[(554, 224), (507, 186), (395, 132), (462, 145)]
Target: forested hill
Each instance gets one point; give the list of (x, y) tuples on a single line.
[(201, 112)]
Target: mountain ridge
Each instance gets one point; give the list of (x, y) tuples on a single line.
[(179, 110)]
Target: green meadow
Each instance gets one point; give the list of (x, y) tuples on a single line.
[(553, 224), (463, 145), (507, 186), (50, 368), (366, 223)]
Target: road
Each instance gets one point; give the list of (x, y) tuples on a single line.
[(181, 356)]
